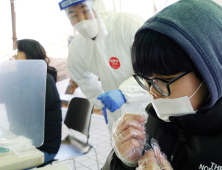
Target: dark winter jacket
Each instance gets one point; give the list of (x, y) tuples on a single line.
[(190, 142), (53, 114), (193, 141)]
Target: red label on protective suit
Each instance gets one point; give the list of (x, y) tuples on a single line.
[(114, 62)]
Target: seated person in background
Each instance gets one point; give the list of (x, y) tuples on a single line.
[(30, 49), (176, 56)]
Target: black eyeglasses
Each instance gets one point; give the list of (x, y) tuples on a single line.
[(161, 86)]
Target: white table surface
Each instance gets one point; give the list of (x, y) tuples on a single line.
[(10, 161)]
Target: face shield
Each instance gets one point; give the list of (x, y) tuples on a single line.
[(82, 17)]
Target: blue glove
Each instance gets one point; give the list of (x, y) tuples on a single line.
[(112, 100), (105, 114)]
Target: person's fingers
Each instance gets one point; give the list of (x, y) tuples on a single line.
[(158, 154), (150, 157), (130, 133), (101, 96), (127, 128), (166, 165), (149, 167), (127, 122), (128, 149), (136, 117), (148, 162), (142, 161), (128, 145), (161, 158), (108, 104), (104, 100), (113, 109), (156, 150)]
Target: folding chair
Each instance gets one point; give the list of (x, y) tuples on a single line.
[(78, 118)]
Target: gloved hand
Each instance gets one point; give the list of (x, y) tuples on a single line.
[(105, 115), (154, 159), (129, 138), (112, 100)]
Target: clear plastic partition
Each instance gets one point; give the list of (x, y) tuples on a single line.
[(22, 103)]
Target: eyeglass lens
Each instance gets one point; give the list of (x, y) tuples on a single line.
[(158, 85)]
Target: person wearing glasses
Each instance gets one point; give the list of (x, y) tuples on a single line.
[(181, 67)]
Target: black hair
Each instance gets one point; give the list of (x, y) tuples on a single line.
[(153, 52), (33, 49)]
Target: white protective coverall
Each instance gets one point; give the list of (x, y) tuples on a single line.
[(89, 59)]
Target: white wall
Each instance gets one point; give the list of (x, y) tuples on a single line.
[(218, 2), (41, 20), (5, 27), (160, 4), (143, 8)]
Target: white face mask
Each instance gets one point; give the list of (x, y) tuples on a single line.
[(173, 107), (87, 28)]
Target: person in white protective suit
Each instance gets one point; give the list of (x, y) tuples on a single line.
[(102, 49)]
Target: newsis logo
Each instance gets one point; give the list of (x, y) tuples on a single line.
[(114, 61), (68, 2), (213, 167)]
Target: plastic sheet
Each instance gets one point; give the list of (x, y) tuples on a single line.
[(22, 101), (154, 159), (25, 151), (15, 142)]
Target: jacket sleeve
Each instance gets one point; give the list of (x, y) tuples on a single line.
[(53, 117), (114, 163), (87, 81)]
